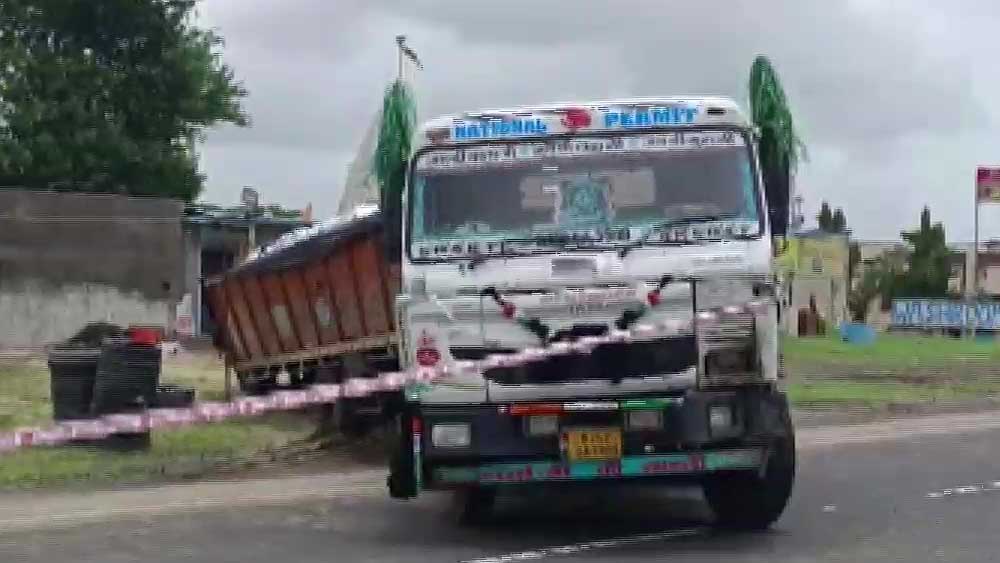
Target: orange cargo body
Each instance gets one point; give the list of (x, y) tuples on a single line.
[(321, 296)]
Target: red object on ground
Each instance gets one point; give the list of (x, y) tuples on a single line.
[(145, 335)]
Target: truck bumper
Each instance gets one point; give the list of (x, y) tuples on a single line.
[(689, 442), (627, 467)]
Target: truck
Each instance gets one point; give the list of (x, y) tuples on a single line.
[(592, 282)]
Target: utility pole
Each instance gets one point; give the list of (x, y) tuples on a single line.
[(404, 51), (251, 200), (400, 43)]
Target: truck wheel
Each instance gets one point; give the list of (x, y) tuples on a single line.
[(748, 501), (474, 506), (256, 382), (399, 451)]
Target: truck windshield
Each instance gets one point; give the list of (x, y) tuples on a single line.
[(603, 189)]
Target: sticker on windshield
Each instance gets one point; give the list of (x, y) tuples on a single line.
[(477, 156), (584, 202)]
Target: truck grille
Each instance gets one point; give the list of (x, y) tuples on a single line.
[(612, 361)]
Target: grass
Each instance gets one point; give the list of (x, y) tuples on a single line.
[(24, 395), (880, 393), (203, 372), (175, 453), (894, 370), (890, 351), (24, 401)]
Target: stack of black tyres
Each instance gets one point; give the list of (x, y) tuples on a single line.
[(127, 378), (73, 372)]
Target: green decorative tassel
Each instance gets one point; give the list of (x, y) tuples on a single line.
[(392, 152), (779, 144)]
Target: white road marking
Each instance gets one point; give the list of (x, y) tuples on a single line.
[(992, 486), (542, 553)]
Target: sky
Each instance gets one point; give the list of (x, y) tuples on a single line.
[(895, 100)]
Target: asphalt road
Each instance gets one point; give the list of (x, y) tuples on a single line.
[(916, 497)]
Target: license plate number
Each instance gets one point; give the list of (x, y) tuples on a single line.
[(594, 444)]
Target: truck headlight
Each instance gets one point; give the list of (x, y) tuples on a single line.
[(541, 425), (451, 435), (645, 420)]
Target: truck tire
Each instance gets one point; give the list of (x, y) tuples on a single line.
[(402, 481), (474, 506), (256, 382), (749, 501)]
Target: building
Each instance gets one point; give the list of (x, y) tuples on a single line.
[(960, 262), (987, 265), (815, 267), (216, 239)]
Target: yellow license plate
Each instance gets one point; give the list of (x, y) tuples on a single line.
[(593, 444)]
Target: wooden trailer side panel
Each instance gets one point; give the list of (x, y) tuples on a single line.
[(371, 284), (225, 317), (324, 305), (305, 308), (279, 311), (300, 306), (243, 318), (260, 313), (345, 290)]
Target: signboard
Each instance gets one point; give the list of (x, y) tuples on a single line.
[(570, 120), (943, 313), (988, 184)]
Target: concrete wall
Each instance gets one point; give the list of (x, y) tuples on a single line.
[(70, 259), (35, 313)]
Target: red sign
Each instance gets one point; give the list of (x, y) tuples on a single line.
[(988, 184), (576, 118)]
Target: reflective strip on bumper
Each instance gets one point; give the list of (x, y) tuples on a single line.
[(630, 466)]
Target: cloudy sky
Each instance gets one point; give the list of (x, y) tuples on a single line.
[(896, 100)]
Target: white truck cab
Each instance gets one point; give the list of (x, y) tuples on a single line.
[(595, 280)]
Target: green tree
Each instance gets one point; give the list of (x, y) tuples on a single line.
[(831, 221), (825, 218), (878, 280), (853, 259), (109, 95), (839, 222), (779, 144), (927, 272)]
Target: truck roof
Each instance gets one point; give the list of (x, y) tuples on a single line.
[(582, 117)]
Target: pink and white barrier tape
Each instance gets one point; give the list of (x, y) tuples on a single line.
[(207, 412)]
